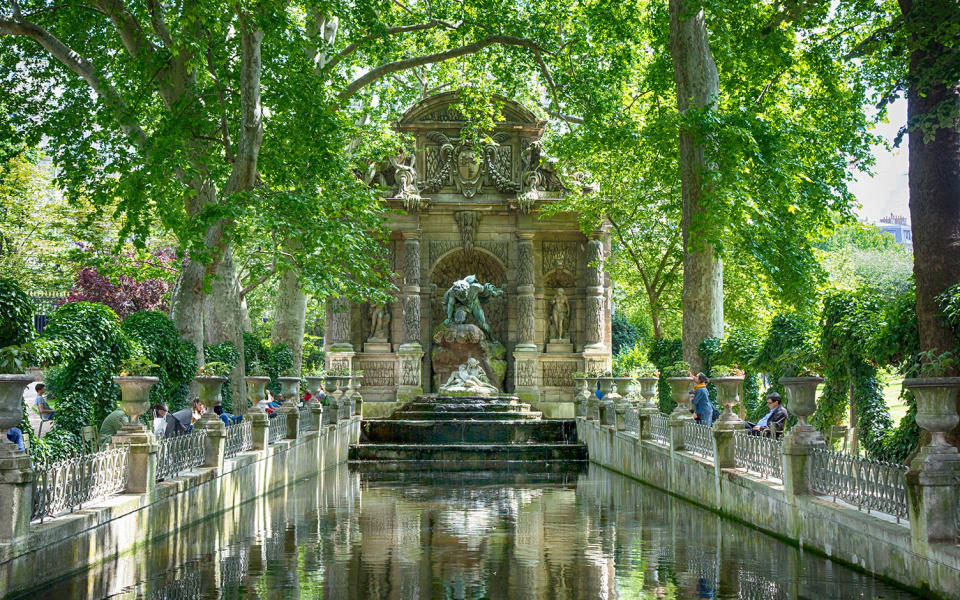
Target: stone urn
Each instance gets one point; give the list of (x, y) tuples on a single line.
[(135, 396), (256, 389), (314, 386), (728, 394), (936, 410), (290, 388), (801, 395), (11, 401), (606, 385), (208, 389), (680, 392), (648, 391)]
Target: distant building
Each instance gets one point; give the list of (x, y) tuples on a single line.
[(899, 227)]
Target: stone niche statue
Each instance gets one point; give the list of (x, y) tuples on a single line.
[(379, 329), (467, 297), (559, 313), (469, 380)]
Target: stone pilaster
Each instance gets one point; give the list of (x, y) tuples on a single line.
[(142, 460), (340, 353), (594, 314), (526, 355), (292, 415), (410, 351), (16, 492)]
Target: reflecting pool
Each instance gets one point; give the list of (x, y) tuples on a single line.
[(558, 536)]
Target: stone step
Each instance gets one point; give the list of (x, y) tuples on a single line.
[(503, 431), (489, 407), (463, 475), (465, 415), (471, 456)]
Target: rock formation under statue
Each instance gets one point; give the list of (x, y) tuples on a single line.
[(469, 380), (457, 343)]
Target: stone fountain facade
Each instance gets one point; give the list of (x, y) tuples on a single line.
[(458, 210)]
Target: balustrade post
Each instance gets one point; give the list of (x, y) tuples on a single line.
[(801, 395), (292, 415), (724, 440), (259, 428), (933, 481), (142, 457), (215, 441), (16, 492)]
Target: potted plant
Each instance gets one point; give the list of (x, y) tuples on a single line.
[(728, 380), (289, 386), (135, 380), (209, 379), (679, 379), (606, 382), (936, 394), (314, 377), (256, 381), (13, 380), (800, 388), (646, 376)]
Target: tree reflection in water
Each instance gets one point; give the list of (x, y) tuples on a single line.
[(594, 535)]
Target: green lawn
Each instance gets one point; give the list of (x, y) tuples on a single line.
[(891, 393)]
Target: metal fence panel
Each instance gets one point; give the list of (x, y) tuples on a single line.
[(660, 429), (698, 439), (864, 482), (180, 453), (68, 484), (278, 428), (631, 421), (239, 438), (759, 454)]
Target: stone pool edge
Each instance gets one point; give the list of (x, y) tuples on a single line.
[(74, 542)]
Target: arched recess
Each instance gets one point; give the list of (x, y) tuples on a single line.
[(457, 264)]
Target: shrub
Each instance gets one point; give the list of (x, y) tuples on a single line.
[(92, 346), (629, 360), (624, 333), (16, 314), (280, 360), (175, 357), (254, 351), (314, 357), (125, 297)]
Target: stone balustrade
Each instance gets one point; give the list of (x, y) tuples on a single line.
[(887, 518)]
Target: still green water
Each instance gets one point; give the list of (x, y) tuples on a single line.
[(592, 535)]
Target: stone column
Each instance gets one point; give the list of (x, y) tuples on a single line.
[(595, 354), (340, 354), (142, 460), (16, 491), (410, 351), (292, 415), (526, 362)]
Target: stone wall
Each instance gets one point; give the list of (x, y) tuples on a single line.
[(128, 522), (872, 542)]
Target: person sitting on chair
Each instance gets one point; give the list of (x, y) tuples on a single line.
[(46, 413), (774, 421)]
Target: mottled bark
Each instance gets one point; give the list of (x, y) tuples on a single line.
[(695, 74), (186, 305), (289, 320), (222, 322)]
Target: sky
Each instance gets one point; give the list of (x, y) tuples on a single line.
[(887, 190)]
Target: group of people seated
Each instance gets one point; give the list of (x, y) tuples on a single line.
[(706, 413)]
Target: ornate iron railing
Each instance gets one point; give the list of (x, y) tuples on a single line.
[(304, 420), (239, 438), (864, 482), (70, 483), (278, 428), (631, 421), (698, 439), (759, 454), (660, 429), (180, 453)]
